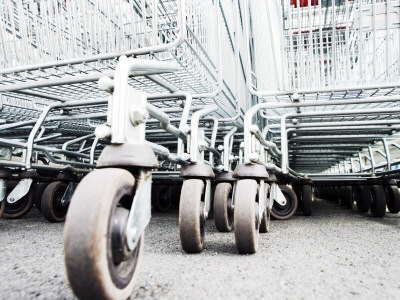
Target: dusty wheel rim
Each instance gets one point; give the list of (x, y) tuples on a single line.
[(246, 216), (122, 262), (191, 216), (223, 209), (93, 269), (52, 207), (284, 212), (20, 207)]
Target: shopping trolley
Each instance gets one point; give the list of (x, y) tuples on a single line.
[(133, 83), (325, 76)]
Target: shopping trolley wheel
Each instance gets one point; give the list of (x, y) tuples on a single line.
[(52, 207), (342, 195), (336, 194), (2, 206), (306, 196), (355, 194), (223, 207), (298, 189), (348, 196), (378, 203), (191, 215), (246, 216), (37, 198), (176, 195), (99, 264), (284, 212), (20, 207), (364, 198), (393, 199), (266, 217), (161, 199)]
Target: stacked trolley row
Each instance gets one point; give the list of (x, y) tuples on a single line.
[(123, 86), (328, 93), (128, 86)]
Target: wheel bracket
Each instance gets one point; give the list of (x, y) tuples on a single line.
[(66, 199), (140, 213), (207, 200), (261, 200), (276, 195), (20, 190)]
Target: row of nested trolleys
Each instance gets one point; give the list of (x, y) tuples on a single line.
[(250, 102)]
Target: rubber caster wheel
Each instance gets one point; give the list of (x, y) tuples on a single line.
[(20, 207), (393, 199), (37, 198), (284, 212), (378, 203), (355, 194), (364, 198), (161, 199), (342, 195), (223, 207), (298, 189), (98, 262), (266, 217), (176, 195), (191, 216), (347, 196), (306, 195), (246, 216), (52, 207), (2, 206)]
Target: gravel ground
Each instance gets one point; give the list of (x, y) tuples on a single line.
[(336, 253)]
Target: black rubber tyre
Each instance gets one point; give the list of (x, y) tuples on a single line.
[(284, 212), (355, 194), (364, 198), (348, 196), (378, 203), (336, 195), (98, 262), (21, 207), (266, 217), (161, 199), (307, 200), (393, 198), (246, 216), (298, 189), (223, 209), (191, 216), (176, 195), (37, 198), (342, 195), (52, 208)]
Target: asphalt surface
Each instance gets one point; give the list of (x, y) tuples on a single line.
[(336, 253)]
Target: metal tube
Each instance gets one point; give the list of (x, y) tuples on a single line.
[(42, 118), (194, 141), (387, 152)]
